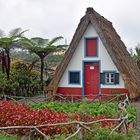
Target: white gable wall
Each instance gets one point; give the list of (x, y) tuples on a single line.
[(75, 64)]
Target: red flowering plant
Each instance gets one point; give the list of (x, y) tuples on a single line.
[(14, 114)]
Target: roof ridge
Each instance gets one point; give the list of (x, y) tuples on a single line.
[(99, 18)]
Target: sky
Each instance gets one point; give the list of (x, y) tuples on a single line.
[(51, 18)]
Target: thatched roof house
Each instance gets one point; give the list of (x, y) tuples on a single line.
[(108, 39)]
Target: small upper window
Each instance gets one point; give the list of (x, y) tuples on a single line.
[(109, 78), (91, 47), (74, 77)]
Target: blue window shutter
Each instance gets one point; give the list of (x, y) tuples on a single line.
[(102, 78), (117, 79)]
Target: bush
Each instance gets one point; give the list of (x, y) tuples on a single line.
[(22, 81)]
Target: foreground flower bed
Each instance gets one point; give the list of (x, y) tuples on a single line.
[(13, 114)]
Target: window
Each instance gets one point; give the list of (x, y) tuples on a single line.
[(91, 47), (109, 78), (74, 77)]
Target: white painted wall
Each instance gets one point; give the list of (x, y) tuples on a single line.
[(76, 61)]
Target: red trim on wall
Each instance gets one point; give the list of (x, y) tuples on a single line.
[(69, 91), (78, 91), (111, 90)]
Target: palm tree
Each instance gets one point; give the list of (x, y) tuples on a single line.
[(42, 47), (7, 43)]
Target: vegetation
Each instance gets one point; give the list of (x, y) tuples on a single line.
[(135, 54), (92, 108), (23, 82), (23, 115), (101, 134), (52, 59), (5, 136)]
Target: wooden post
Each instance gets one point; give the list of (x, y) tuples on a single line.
[(31, 136), (45, 95), (80, 133), (72, 99), (100, 97), (5, 98), (126, 127)]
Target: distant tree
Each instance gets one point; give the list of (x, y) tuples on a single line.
[(42, 47), (52, 59), (7, 43), (135, 54)]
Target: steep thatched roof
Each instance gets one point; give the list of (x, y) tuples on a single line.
[(114, 45)]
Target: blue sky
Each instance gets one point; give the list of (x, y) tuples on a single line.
[(50, 18)]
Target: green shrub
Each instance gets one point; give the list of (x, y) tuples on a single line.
[(92, 108), (22, 81), (131, 113)]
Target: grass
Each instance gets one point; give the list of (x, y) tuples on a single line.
[(5, 136)]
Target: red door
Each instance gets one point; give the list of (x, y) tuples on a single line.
[(91, 79)]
